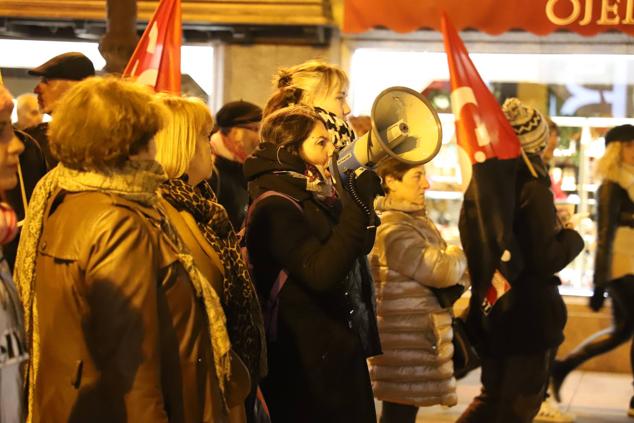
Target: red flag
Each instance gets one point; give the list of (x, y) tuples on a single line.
[(488, 142), (156, 61)]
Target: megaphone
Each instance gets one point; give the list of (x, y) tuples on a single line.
[(404, 126)]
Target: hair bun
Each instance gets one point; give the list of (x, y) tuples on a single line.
[(285, 79)]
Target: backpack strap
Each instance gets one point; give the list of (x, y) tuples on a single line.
[(268, 194), (270, 311)]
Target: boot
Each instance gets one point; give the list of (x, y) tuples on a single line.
[(558, 373)]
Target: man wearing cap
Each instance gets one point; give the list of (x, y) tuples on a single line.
[(58, 75), (237, 136)]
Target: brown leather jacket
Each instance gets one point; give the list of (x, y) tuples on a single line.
[(123, 337)]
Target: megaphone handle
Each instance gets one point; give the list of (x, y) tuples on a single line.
[(357, 199)]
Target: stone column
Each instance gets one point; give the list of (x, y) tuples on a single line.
[(118, 44)]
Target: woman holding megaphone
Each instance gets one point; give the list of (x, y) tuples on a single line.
[(307, 246)]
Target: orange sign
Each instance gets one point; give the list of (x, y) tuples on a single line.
[(541, 17)]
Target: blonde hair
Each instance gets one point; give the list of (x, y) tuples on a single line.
[(176, 142), (307, 81), (609, 165), (122, 118)]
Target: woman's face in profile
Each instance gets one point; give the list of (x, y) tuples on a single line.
[(202, 163), (318, 147), (335, 102), (411, 187), (10, 149), (628, 152)]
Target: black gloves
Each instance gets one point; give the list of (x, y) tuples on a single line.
[(597, 299), (365, 186), (360, 189)]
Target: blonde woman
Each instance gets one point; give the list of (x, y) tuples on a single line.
[(120, 325), (321, 86), (184, 152), (614, 260)]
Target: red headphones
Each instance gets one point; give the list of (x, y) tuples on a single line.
[(8, 223)]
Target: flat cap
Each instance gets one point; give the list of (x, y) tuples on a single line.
[(73, 66), (238, 113)]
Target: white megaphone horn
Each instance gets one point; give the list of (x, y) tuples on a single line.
[(404, 126)]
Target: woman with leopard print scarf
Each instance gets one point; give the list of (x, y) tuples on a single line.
[(183, 150)]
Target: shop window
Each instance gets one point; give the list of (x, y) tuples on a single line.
[(584, 95)]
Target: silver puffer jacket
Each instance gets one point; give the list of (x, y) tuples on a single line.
[(408, 257)]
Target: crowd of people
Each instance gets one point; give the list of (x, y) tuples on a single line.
[(161, 264)]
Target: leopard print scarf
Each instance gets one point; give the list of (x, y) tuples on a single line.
[(240, 302)]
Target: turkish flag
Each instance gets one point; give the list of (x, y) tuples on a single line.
[(156, 61), (489, 152)]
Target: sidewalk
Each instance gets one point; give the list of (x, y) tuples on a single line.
[(593, 397)]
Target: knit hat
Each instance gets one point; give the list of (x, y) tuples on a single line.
[(529, 125), (620, 133), (238, 113)]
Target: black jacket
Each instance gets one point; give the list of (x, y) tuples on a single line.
[(33, 167), (615, 208), (230, 186), (326, 323), (40, 133), (530, 318)]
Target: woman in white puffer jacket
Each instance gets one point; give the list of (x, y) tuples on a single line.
[(408, 258)]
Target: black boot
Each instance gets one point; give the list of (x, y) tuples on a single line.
[(558, 373)]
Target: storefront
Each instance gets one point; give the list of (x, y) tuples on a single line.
[(582, 78), (553, 54)]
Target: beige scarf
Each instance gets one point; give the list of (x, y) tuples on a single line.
[(136, 181)]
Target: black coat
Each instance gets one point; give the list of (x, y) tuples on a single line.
[(326, 323), (530, 318), (615, 208), (40, 133), (33, 166), (230, 186)]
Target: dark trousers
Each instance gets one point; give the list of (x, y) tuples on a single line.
[(622, 293), (398, 413), (513, 389)]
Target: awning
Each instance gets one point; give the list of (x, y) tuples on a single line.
[(220, 12), (541, 17)]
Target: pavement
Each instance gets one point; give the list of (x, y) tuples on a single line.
[(593, 397)]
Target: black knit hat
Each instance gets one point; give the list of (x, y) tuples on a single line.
[(73, 66), (238, 113), (620, 133)]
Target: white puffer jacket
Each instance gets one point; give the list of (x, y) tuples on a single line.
[(409, 255)]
